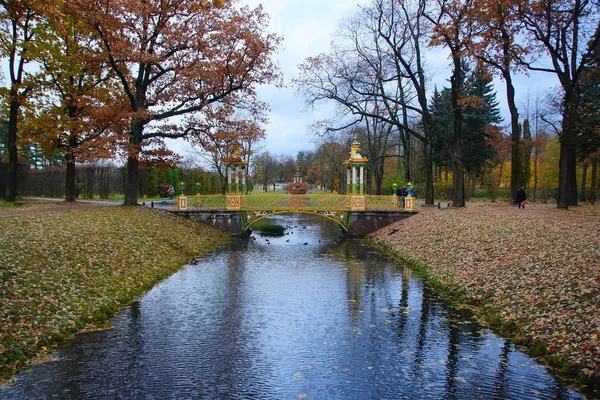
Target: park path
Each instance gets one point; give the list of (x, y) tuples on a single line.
[(54, 205)]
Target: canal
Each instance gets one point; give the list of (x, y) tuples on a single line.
[(302, 315)]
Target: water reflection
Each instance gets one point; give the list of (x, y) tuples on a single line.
[(297, 316)]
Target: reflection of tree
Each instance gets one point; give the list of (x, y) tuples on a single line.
[(403, 312), (500, 383), (233, 337), (453, 349), (422, 334), (354, 286)]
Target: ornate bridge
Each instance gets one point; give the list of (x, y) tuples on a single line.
[(342, 209)]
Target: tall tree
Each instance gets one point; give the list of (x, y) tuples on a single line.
[(266, 170), (327, 167), (441, 112), (526, 150), (451, 23), (379, 61), (493, 40), (480, 113), (175, 58), (18, 20), (76, 107), (220, 132), (303, 160), (567, 32)]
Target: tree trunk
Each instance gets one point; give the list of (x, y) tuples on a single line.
[(582, 195), (428, 172), (458, 197), (562, 197), (515, 135), (535, 171), (567, 165), (12, 170), (133, 165), (573, 173), (406, 136), (70, 179), (594, 183)]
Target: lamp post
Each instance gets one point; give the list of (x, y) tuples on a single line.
[(197, 196), (182, 200), (409, 200)]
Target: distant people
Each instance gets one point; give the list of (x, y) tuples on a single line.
[(166, 191), (171, 192), (521, 197)]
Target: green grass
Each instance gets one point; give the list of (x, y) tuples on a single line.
[(22, 203)]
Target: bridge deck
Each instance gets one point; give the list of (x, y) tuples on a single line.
[(332, 203)]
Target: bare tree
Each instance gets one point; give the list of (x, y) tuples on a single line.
[(567, 33), (381, 63)]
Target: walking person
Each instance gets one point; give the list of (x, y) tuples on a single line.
[(521, 197)]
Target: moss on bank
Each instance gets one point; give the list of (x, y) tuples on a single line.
[(68, 271)]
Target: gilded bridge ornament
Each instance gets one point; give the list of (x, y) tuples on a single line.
[(337, 208)]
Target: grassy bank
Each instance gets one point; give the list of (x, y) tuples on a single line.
[(66, 271), (532, 274)]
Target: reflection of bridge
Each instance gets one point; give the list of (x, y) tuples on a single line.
[(364, 213)]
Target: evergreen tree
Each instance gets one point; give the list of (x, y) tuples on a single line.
[(441, 111), (526, 150), (480, 111)]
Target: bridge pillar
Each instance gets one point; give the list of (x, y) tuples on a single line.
[(355, 175), (237, 168), (409, 201), (182, 202)]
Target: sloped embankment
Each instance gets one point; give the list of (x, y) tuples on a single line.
[(533, 273), (65, 271)]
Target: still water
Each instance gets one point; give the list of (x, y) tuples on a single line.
[(297, 316)]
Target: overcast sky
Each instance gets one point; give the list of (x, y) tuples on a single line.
[(307, 27)]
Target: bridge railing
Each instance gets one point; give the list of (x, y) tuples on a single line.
[(297, 202), (212, 202)]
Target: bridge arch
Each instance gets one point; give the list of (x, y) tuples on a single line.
[(342, 218)]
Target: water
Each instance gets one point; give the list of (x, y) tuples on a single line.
[(292, 317)]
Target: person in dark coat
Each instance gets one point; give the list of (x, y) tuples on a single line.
[(521, 197)]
